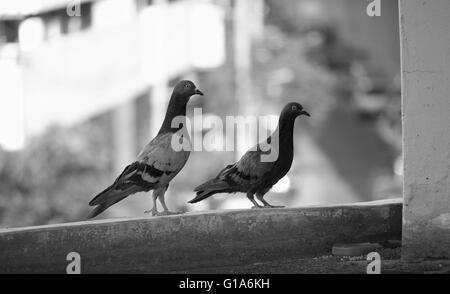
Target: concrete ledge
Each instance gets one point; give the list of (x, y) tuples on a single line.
[(196, 240)]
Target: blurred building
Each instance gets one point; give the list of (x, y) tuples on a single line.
[(65, 61)]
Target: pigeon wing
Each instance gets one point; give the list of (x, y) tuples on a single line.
[(163, 157), (248, 171), (157, 164)]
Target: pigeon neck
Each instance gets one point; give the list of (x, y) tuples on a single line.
[(285, 132), (176, 107)]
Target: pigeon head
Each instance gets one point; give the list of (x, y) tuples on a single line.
[(186, 89), (177, 104), (293, 110)]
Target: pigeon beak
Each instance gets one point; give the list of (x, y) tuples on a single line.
[(305, 113), (198, 92)]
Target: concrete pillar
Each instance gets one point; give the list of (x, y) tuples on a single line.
[(425, 54)]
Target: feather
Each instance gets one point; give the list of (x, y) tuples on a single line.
[(212, 184), (102, 207), (210, 188), (248, 171)]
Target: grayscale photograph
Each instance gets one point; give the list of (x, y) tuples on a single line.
[(223, 142)]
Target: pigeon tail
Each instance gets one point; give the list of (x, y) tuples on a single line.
[(102, 207), (109, 197), (202, 195), (210, 188), (101, 197), (110, 193)]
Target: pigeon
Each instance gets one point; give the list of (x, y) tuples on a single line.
[(157, 164), (253, 175)]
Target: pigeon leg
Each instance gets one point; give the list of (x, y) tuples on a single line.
[(266, 204), (252, 199), (163, 203), (154, 210)]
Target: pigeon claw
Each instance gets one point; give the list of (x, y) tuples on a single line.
[(153, 211)]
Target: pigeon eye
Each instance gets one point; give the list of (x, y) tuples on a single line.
[(294, 108)]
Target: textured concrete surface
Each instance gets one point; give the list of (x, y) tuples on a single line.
[(197, 240), (425, 50), (333, 265)]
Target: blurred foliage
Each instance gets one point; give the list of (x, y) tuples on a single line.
[(51, 180)]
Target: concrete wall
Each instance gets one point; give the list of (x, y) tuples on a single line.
[(196, 240), (425, 50)]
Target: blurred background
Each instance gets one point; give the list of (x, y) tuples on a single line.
[(84, 85)]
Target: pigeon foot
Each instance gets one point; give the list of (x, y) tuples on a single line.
[(153, 211)]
